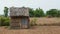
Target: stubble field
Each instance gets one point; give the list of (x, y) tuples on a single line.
[(36, 29)]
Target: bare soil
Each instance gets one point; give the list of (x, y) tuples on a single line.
[(34, 30)]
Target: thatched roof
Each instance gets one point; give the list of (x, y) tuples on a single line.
[(16, 11)]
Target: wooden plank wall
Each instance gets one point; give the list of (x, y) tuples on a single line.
[(17, 23)]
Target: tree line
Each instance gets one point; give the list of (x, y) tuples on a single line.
[(38, 12)]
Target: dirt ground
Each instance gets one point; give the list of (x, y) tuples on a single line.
[(34, 30)]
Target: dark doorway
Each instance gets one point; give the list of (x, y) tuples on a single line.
[(24, 22)]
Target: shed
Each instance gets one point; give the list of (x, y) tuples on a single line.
[(19, 17)]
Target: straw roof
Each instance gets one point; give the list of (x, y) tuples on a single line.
[(16, 11)]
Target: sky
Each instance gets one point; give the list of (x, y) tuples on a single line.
[(43, 4)]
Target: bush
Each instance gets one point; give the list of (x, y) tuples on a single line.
[(4, 21), (33, 22)]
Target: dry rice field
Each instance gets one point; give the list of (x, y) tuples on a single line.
[(44, 20), (36, 29)]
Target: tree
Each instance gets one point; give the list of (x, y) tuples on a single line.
[(31, 12), (5, 11), (36, 13), (42, 14), (52, 12), (39, 13), (58, 14)]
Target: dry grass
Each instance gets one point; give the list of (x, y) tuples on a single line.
[(36, 29), (47, 20)]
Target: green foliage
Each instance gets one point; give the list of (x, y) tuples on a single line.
[(53, 12), (39, 13), (31, 12), (36, 13), (4, 21), (58, 14), (5, 11)]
